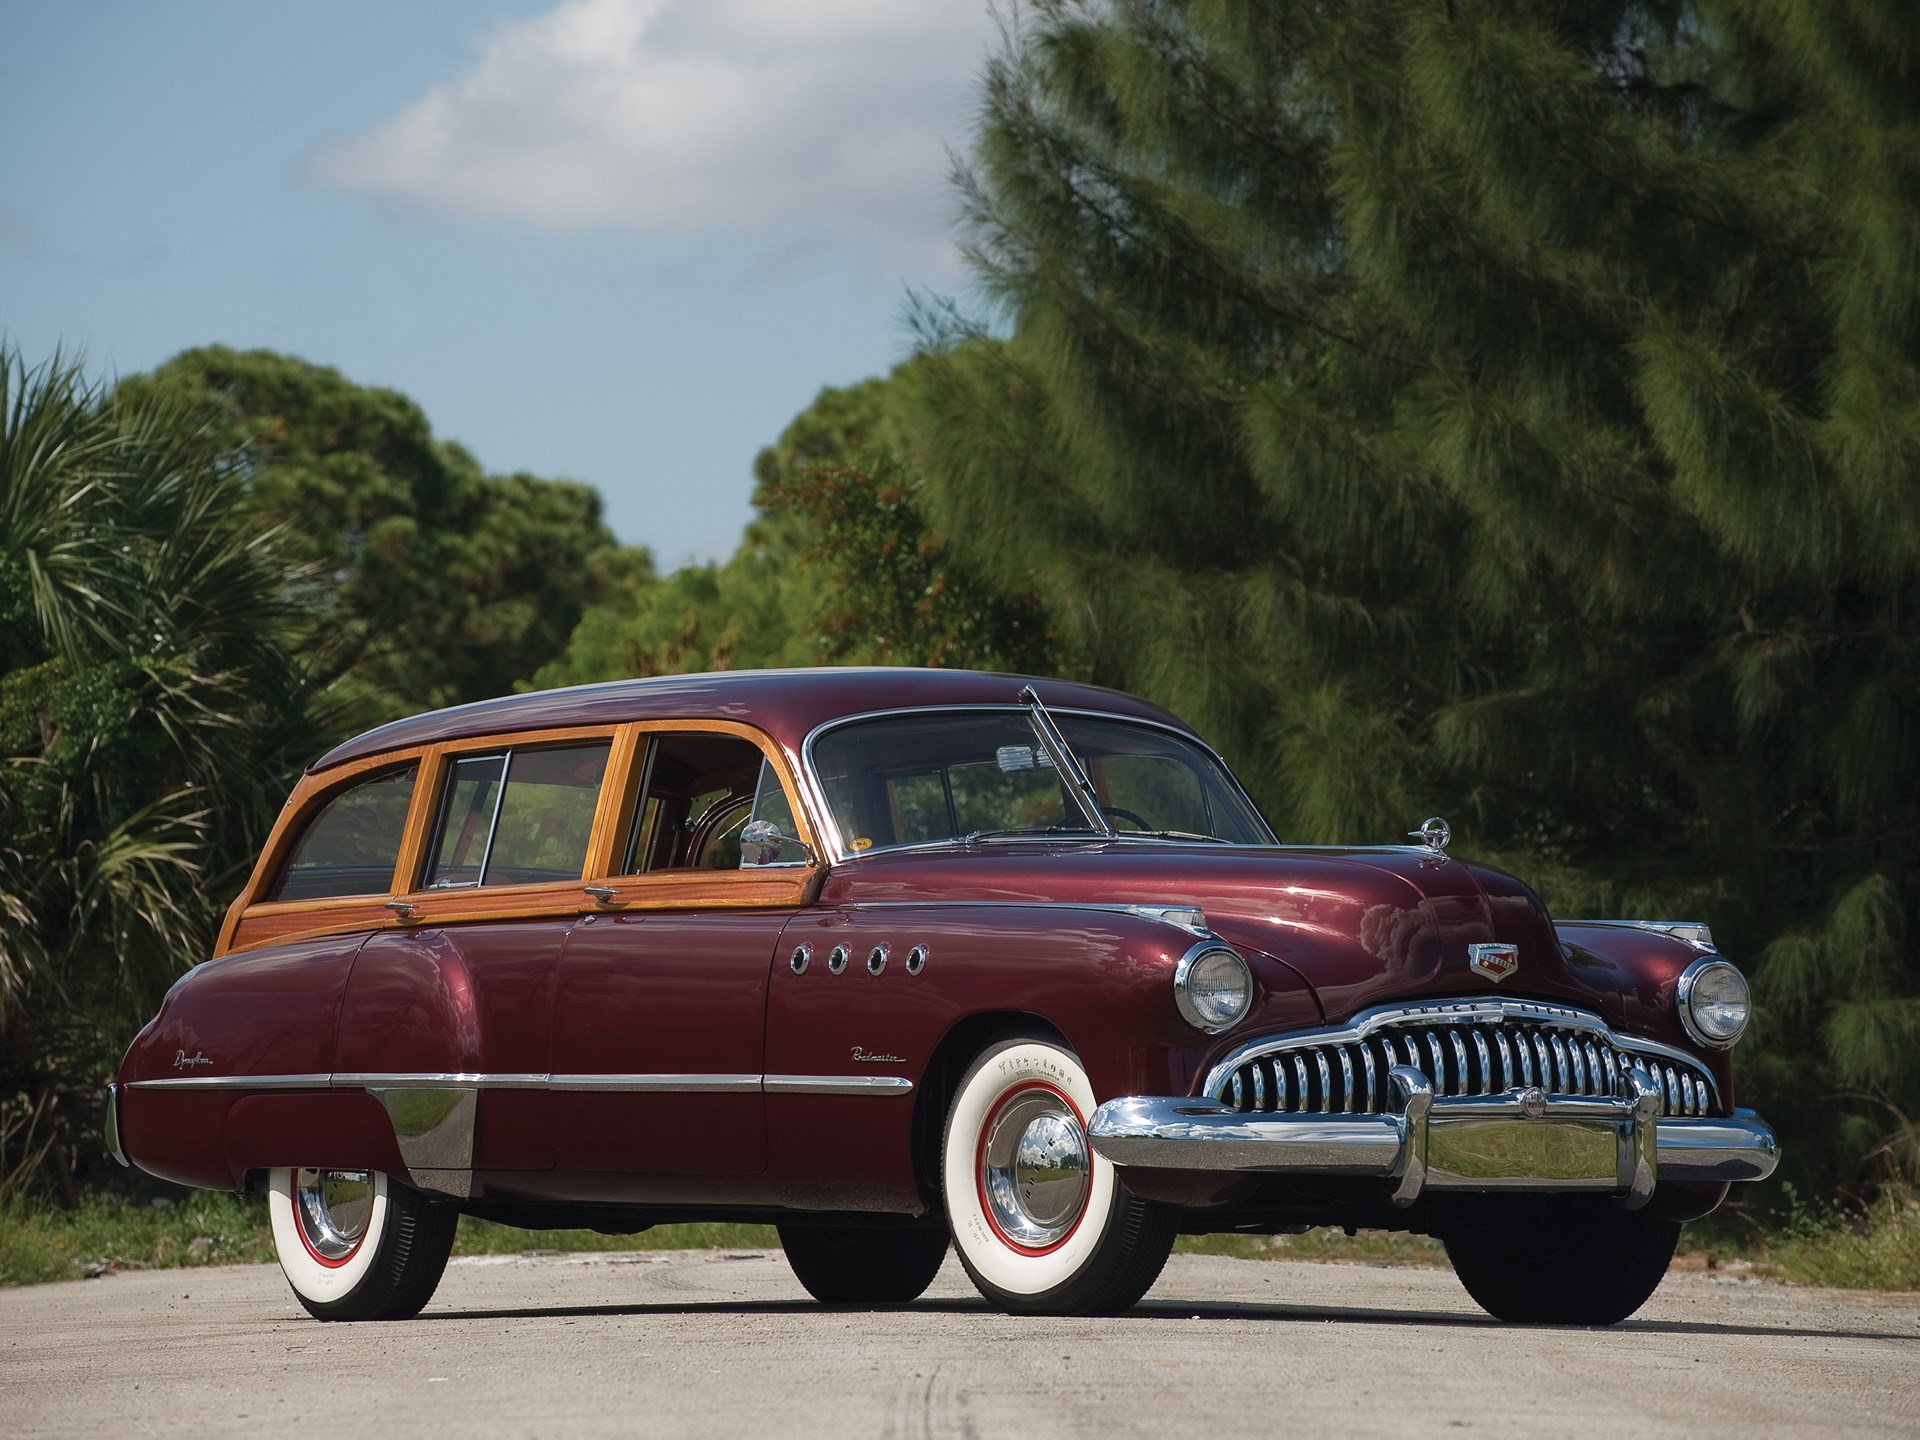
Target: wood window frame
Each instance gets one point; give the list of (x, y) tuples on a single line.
[(751, 888), (252, 922)]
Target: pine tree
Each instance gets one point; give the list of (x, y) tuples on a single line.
[(1506, 409)]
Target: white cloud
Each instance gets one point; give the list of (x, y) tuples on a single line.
[(697, 115)]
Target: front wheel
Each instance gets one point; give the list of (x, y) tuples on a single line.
[(1041, 1223), (1566, 1260), (355, 1245), (865, 1265)]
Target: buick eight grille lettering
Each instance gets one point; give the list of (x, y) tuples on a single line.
[(911, 962)]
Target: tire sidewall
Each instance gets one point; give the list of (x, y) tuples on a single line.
[(999, 1073), (311, 1279)]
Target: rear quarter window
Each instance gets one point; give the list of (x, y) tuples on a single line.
[(352, 845)]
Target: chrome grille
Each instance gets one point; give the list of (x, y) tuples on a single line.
[(1462, 1048)]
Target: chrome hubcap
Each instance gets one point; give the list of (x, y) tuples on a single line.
[(334, 1208), (1034, 1169)]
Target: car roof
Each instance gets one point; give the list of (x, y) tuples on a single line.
[(786, 704)]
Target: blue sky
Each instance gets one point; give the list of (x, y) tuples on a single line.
[(623, 241)]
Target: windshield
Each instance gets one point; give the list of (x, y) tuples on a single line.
[(913, 779)]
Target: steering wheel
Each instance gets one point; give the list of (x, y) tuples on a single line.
[(1121, 814)]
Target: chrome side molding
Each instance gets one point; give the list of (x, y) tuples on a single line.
[(666, 1084), (433, 1112), (114, 1148)]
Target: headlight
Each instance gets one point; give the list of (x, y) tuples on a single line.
[(1714, 1002), (1213, 988)]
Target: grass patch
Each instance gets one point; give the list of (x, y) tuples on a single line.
[(1368, 1247), (1874, 1249), (108, 1233), (485, 1237)]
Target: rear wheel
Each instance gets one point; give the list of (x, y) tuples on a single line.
[(865, 1265), (1041, 1223), (356, 1245), (1559, 1260)]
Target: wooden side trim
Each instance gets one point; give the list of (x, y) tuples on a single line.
[(353, 912), (250, 923), (782, 766), (617, 798)]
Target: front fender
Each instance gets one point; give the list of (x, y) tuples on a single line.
[(1102, 978), (1640, 968)]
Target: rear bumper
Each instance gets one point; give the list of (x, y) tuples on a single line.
[(1522, 1140)]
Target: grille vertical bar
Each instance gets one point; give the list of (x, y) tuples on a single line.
[(1348, 1074)]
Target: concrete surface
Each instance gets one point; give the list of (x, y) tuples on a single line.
[(718, 1343)]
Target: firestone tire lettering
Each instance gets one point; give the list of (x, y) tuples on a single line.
[(1117, 1247), (394, 1267), (322, 1284)]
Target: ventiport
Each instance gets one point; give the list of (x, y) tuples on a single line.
[(1523, 1139)]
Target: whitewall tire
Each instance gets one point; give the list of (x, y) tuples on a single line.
[(1041, 1223), (357, 1245)]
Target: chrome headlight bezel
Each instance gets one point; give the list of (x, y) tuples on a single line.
[(1185, 989), (1683, 997)]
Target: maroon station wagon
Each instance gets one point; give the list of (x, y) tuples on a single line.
[(893, 959)]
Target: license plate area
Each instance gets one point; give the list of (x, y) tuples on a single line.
[(1524, 1153)]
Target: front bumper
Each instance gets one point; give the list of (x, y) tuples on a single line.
[(1522, 1140)]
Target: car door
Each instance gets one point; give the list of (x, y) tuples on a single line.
[(448, 1014), (659, 1011)]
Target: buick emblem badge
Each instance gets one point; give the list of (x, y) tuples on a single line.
[(1496, 962)]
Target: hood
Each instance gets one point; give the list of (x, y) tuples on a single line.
[(1361, 926)]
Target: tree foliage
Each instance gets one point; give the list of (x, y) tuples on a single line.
[(151, 710), (1497, 408), (207, 575), (438, 583), (1492, 407), (839, 566)]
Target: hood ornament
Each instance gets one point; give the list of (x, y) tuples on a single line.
[(1433, 833)]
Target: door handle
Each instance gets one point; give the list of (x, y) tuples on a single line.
[(403, 908), (602, 893)]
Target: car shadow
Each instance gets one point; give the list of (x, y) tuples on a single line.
[(709, 1307), (1155, 1310), (1356, 1315)]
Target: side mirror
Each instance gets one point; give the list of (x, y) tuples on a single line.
[(762, 845)]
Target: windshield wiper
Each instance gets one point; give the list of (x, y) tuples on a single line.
[(1065, 762), (1176, 835), (1026, 830)]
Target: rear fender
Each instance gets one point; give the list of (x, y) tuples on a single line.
[(333, 1130), (269, 1013)]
